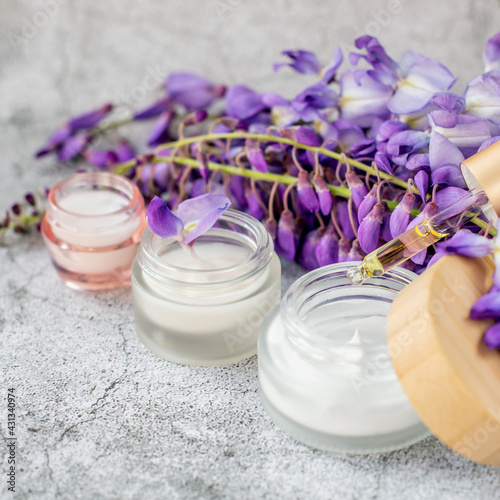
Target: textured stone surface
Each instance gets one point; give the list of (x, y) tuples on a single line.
[(100, 416)]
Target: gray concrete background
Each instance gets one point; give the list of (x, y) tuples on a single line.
[(101, 417)]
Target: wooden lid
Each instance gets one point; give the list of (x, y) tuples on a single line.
[(451, 378)]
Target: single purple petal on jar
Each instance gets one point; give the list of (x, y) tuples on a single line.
[(448, 101), (161, 221), (160, 130), (329, 71), (287, 238), (302, 61), (487, 306), (154, 110), (357, 187), (307, 253), (90, 119), (368, 203), (449, 175), (124, 151), (355, 253), (400, 216), (422, 182), (344, 219), (242, 102), (383, 163), (254, 207), (192, 91), (160, 175), (369, 229), (199, 214), (325, 197), (73, 147), (491, 54), (306, 193), (492, 336), (327, 250), (101, 159)]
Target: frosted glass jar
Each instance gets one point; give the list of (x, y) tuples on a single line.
[(325, 373), (206, 311), (92, 229)]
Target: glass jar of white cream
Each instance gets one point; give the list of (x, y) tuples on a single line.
[(206, 308), (92, 229), (325, 372)]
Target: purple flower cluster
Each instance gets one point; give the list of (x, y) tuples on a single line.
[(350, 162)]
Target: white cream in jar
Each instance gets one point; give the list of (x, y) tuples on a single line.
[(207, 308), (92, 229), (325, 373)]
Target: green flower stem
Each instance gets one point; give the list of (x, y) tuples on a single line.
[(250, 174)]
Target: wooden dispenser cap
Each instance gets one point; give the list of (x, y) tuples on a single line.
[(451, 378)]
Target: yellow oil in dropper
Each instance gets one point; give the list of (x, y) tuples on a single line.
[(416, 239)]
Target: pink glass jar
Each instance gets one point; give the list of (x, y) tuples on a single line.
[(92, 229)]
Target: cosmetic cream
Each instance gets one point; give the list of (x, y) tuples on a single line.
[(92, 229), (205, 305), (325, 373)]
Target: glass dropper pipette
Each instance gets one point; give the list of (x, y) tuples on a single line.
[(419, 237)]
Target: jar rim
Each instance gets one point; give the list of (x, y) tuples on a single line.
[(257, 238), (298, 295), (101, 179)]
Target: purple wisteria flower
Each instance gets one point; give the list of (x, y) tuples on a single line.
[(192, 91), (194, 217)]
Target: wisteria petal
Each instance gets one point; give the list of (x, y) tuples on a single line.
[(388, 128), (257, 160), (448, 101), (161, 221), (192, 91), (125, 151), (101, 159), (400, 216), (361, 103), (487, 306), (307, 253), (325, 197), (345, 220), (368, 203), (199, 214), (306, 193), (327, 250), (492, 336), (422, 182), (369, 230), (488, 142), (357, 187), (465, 243), (153, 110), (329, 71), (443, 152), (242, 102), (160, 129), (418, 161), (449, 195), (383, 163), (491, 54), (407, 141), (254, 206), (315, 97), (73, 147), (90, 119), (449, 175), (286, 237), (302, 61), (483, 96), (347, 133)]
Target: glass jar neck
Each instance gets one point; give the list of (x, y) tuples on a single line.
[(235, 229), (131, 209), (328, 319)]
